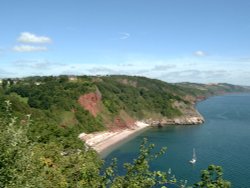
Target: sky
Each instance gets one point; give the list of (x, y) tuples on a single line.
[(203, 41)]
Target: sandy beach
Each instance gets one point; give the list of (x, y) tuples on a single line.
[(100, 141)]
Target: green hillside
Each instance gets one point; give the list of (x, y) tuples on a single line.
[(55, 100), (41, 118), (56, 110)]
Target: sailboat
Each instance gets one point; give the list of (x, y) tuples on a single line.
[(193, 160)]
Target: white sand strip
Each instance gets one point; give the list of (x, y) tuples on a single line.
[(102, 140)]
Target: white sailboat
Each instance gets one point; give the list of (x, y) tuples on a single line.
[(193, 160)]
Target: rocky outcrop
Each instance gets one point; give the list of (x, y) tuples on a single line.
[(184, 121), (191, 117), (177, 121)]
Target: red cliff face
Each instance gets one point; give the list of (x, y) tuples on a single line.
[(91, 102)]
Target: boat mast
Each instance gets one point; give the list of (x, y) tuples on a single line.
[(194, 155)]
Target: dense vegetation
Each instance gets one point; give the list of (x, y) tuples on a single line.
[(138, 95), (53, 101), (27, 163), (40, 119)]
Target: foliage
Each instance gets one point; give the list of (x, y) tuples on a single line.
[(34, 164), (44, 151), (212, 178), (138, 173), (26, 163), (137, 95), (14, 161), (49, 98)]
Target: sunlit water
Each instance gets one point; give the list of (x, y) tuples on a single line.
[(224, 139)]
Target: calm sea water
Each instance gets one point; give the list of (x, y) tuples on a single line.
[(224, 139)]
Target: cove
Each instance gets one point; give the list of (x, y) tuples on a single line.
[(224, 139)]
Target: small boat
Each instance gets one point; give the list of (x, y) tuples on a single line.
[(193, 160)]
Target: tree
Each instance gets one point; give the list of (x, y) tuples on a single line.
[(138, 173), (24, 163), (212, 178), (14, 151), (27, 163), (4, 83)]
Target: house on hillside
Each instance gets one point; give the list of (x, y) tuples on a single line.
[(72, 78), (38, 83)]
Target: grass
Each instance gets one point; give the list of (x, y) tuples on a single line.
[(68, 118), (21, 99)]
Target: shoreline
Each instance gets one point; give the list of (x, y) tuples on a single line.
[(101, 142), (104, 142)]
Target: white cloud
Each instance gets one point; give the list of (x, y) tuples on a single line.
[(124, 35), (29, 48), (163, 67), (195, 75), (200, 53), (36, 64), (27, 37), (169, 70)]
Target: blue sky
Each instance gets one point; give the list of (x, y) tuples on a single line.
[(172, 40)]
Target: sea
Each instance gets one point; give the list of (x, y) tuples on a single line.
[(223, 140)]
